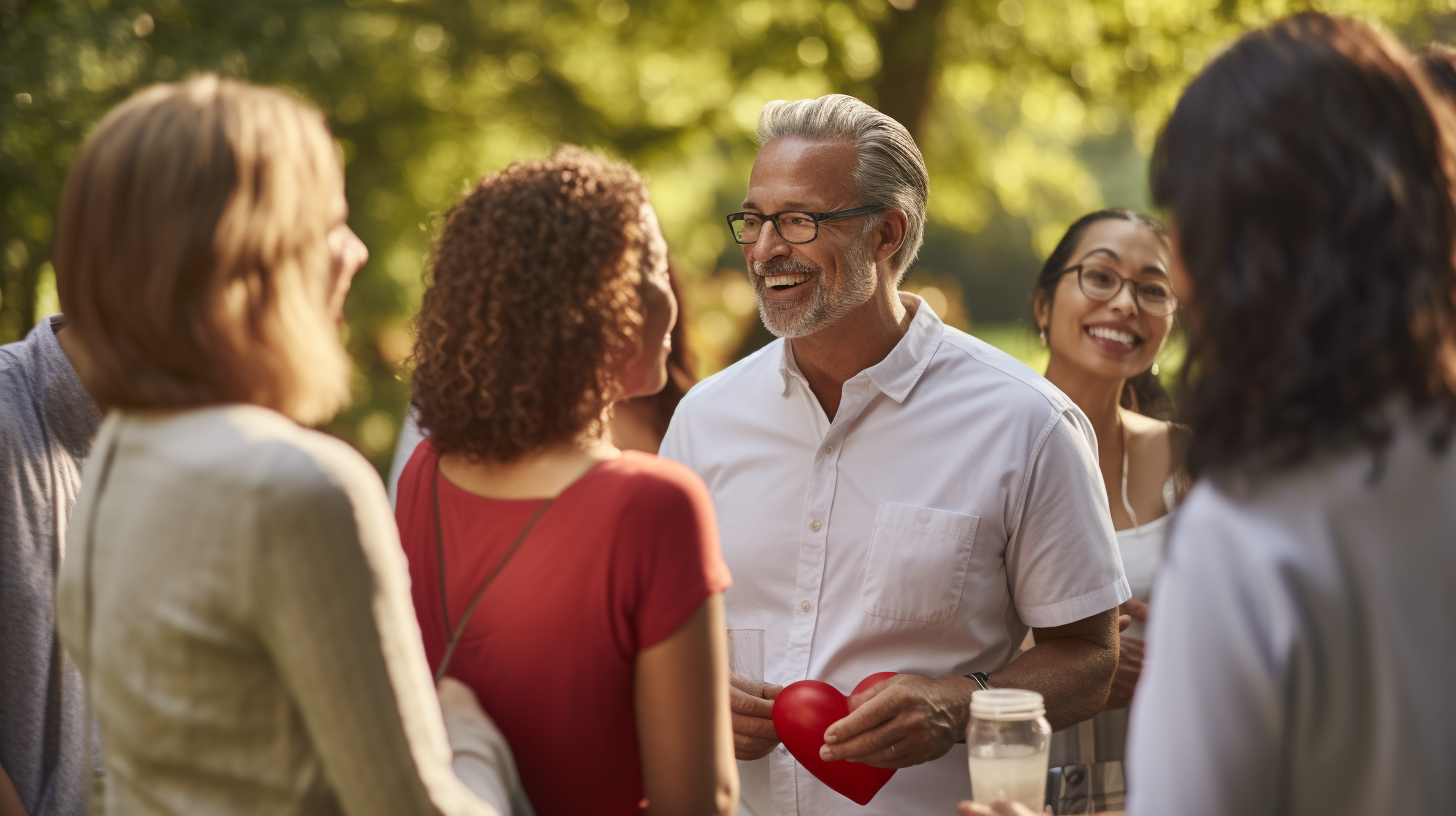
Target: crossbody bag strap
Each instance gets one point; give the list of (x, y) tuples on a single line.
[(474, 601)]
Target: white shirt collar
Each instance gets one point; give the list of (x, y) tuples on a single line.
[(897, 374)]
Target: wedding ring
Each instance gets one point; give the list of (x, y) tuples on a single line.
[(892, 752)]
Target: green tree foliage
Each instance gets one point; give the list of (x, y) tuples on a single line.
[(1029, 112)]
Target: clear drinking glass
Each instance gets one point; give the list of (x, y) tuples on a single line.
[(1008, 742), (745, 660)]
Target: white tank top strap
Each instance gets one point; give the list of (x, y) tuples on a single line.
[(1127, 505)]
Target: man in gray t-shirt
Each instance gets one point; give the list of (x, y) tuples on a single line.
[(47, 422)]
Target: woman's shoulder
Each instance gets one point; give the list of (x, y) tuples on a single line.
[(1146, 427), (245, 442), (1157, 437), (1163, 446), (316, 497), (650, 472), (665, 517), (278, 460), (260, 470), (645, 483)]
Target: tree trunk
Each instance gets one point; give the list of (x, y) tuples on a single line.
[(18, 301), (907, 61)]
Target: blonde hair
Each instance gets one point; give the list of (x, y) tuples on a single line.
[(191, 252)]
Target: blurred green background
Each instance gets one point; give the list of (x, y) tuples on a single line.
[(1029, 113)]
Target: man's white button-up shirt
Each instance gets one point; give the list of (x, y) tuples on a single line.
[(953, 502)]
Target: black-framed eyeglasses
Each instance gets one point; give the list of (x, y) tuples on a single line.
[(793, 226), (1101, 282)]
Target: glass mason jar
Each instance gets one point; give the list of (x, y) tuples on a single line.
[(1008, 740)]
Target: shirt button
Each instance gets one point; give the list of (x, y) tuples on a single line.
[(804, 605), (829, 449), (815, 525)]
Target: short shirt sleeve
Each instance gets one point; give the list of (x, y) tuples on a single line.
[(1062, 561), (670, 560)]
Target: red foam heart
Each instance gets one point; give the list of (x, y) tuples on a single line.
[(802, 712)]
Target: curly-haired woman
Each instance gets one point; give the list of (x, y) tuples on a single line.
[(1104, 307), (575, 587)]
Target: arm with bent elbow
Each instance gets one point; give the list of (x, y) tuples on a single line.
[(683, 724), (1071, 667)]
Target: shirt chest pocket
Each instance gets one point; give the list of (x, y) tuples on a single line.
[(917, 562)]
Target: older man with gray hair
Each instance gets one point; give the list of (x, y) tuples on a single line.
[(893, 494)]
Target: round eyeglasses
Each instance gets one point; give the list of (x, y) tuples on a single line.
[(793, 226), (1101, 282)]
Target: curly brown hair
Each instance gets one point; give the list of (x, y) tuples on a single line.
[(532, 290)]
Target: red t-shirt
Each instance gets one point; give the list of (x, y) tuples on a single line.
[(622, 558)]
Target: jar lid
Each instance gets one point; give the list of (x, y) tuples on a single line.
[(1004, 704)]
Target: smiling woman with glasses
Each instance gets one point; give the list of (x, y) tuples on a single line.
[(1104, 307)]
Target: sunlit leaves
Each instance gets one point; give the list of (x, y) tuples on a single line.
[(1037, 112)]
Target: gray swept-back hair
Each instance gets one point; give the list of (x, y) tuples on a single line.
[(890, 171)]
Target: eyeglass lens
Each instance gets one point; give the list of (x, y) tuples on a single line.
[(794, 227), (1103, 283)]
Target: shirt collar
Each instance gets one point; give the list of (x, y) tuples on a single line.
[(71, 415), (897, 374), (788, 368)]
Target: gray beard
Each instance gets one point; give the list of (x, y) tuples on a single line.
[(855, 287)]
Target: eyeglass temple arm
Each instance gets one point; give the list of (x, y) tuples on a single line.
[(830, 216)]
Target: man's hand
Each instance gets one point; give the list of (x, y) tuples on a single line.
[(1135, 609), (902, 721), (753, 729), (998, 809)]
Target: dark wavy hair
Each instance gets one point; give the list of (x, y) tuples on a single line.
[(1308, 177), (1142, 393), (682, 363), (1438, 60), (533, 288)]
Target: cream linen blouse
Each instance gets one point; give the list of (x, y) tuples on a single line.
[(238, 602)]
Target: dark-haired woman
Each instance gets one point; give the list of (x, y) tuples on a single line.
[(1104, 307), (640, 423), (1303, 644), (574, 586), (1303, 641)]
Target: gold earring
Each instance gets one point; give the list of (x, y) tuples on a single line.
[(1042, 335), (1154, 369)]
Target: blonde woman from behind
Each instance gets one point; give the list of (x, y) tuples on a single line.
[(234, 593)]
